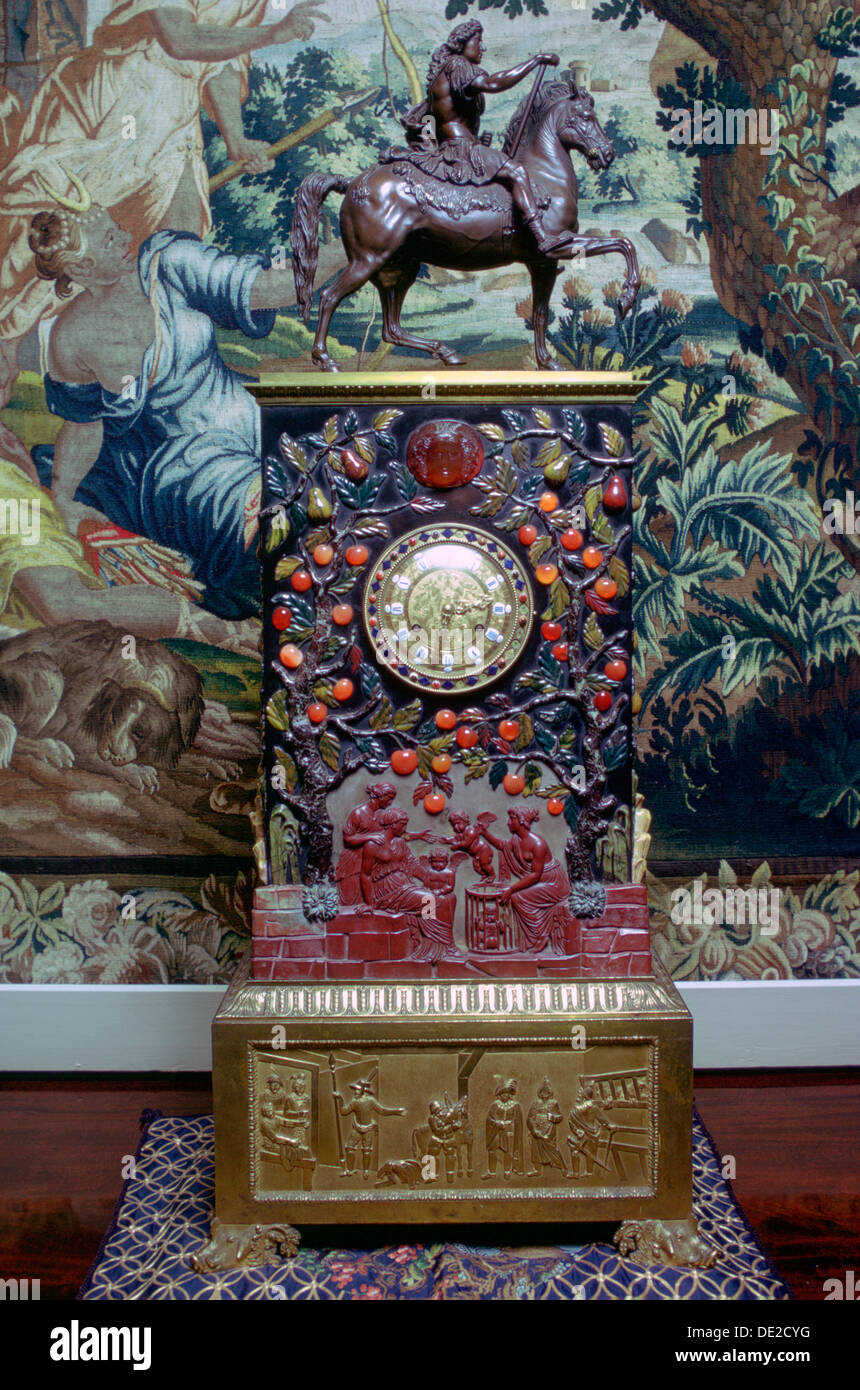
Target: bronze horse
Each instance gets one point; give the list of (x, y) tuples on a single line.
[(393, 219)]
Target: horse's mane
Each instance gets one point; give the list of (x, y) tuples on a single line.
[(547, 97)]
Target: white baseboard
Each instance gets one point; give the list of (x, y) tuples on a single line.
[(145, 1028)]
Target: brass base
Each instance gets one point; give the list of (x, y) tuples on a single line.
[(451, 1102)]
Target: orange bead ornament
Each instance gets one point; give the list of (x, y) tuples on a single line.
[(592, 557), (546, 574), (555, 805), (466, 737), (615, 670), (357, 555), (322, 554), (509, 729), (605, 587), (343, 689), (404, 761), (571, 540), (301, 581), (527, 535), (291, 656), (441, 762), (317, 712), (342, 614), (445, 719), (514, 783), (434, 802), (281, 619), (548, 501)]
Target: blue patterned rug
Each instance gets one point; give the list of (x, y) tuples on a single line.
[(163, 1217)]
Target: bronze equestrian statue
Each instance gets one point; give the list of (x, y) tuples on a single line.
[(455, 201)]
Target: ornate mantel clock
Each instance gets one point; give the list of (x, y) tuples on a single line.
[(452, 1012)]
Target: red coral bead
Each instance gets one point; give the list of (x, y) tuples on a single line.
[(343, 689), (434, 802), (555, 805), (466, 737), (317, 712), (603, 700), (301, 581), (615, 670), (551, 631), (527, 535), (281, 619), (445, 719), (404, 761)]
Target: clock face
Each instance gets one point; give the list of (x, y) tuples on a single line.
[(448, 608)]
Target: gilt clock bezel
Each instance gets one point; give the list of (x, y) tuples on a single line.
[(516, 633)]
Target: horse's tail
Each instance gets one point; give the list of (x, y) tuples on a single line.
[(304, 232)]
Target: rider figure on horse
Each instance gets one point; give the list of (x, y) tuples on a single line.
[(456, 86)]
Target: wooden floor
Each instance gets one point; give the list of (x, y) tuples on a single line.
[(793, 1137)]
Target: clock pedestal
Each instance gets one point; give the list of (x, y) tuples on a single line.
[(451, 1013)]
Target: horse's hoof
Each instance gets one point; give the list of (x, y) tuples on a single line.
[(450, 357), (322, 359), (550, 365), (626, 302)]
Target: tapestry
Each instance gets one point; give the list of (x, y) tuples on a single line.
[(151, 159)]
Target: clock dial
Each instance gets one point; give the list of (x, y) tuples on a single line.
[(448, 608)]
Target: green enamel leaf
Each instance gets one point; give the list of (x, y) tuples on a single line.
[(621, 574), (532, 774), (559, 600), (547, 453), (381, 717), (407, 717), (289, 771), (329, 746), (276, 711), (592, 634), (284, 568)]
